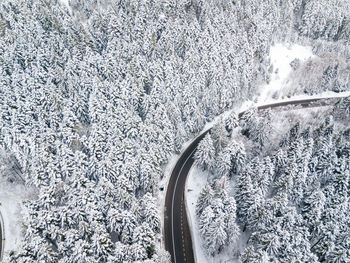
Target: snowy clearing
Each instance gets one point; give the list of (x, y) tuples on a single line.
[(281, 55)]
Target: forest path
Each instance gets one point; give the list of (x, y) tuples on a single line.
[(177, 233)]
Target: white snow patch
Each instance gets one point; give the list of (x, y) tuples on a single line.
[(162, 16), (281, 55), (65, 2), (196, 180), (11, 196)]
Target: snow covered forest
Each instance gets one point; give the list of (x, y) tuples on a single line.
[(288, 202), (96, 95)]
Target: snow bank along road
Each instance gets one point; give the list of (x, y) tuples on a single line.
[(2, 236), (176, 230)]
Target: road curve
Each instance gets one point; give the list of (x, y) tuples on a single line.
[(177, 234)]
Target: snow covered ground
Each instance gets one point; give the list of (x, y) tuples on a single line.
[(281, 55), (65, 2), (11, 196), (196, 180)]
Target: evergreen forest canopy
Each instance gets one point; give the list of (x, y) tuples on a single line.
[(290, 203), (94, 98)]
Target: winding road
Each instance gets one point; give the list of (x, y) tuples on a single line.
[(177, 233)]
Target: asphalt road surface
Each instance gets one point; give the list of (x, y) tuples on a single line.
[(177, 233)]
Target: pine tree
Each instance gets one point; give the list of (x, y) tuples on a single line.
[(216, 236), (231, 122), (313, 206), (250, 255), (144, 237), (150, 214), (220, 136), (205, 153), (204, 200), (248, 199)]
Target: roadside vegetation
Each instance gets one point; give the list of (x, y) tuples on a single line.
[(290, 199)]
